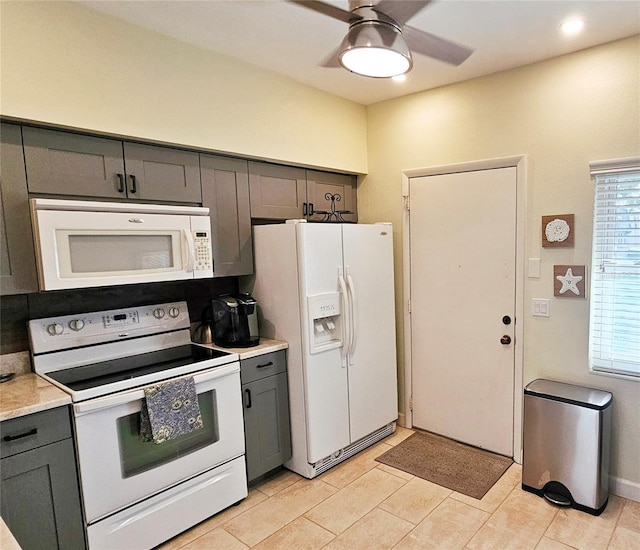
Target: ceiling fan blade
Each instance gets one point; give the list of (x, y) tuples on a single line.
[(400, 10), (327, 9), (434, 46), (332, 61)]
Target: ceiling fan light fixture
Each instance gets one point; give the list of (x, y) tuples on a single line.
[(375, 49)]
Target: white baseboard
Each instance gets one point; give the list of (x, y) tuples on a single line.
[(624, 488)]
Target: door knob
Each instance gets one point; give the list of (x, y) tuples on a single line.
[(505, 340)]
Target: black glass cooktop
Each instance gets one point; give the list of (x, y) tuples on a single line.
[(116, 370)]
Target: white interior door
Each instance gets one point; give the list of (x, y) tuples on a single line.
[(463, 288)]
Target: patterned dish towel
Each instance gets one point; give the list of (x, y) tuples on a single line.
[(169, 410)]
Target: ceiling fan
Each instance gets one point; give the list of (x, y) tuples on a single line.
[(379, 43)]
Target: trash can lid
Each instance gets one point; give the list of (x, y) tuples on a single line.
[(569, 393)]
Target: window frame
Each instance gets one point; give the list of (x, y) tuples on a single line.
[(601, 362)]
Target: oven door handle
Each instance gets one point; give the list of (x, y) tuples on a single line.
[(128, 396)]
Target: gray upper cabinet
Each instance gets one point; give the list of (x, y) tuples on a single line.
[(277, 192), (17, 260), (285, 192), (331, 197), (225, 191), (64, 163), (161, 173)]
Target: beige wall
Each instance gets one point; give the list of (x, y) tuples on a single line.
[(561, 114), (67, 64)]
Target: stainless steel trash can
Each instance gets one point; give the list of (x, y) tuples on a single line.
[(567, 431)]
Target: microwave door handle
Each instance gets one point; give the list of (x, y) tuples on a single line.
[(188, 251)]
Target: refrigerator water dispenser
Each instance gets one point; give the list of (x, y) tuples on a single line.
[(325, 324)]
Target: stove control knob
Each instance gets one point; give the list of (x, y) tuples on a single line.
[(158, 313), (55, 329), (174, 312), (76, 324)]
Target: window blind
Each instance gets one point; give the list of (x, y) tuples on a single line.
[(614, 328)]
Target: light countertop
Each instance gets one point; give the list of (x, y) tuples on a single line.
[(7, 540), (265, 346), (28, 393)]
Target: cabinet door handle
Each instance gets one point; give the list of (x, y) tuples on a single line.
[(247, 394), (32, 431), (121, 183), (134, 188), (304, 208), (264, 365), (310, 209)]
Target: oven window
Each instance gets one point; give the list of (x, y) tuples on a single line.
[(137, 456), (91, 253)]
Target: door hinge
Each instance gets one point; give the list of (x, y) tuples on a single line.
[(411, 404), (407, 202), (409, 305)]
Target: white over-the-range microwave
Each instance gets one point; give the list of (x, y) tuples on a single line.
[(83, 244)]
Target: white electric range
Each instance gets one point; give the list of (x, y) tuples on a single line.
[(137, 494)]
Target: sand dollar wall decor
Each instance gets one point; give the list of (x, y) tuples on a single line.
[(557, 231)]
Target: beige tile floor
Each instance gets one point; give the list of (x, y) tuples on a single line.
[(362, 504)]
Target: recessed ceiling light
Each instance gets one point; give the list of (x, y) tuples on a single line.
[(572, 27)]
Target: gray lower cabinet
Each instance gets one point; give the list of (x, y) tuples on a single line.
[(286, 192), (40, 496), (266, 412), (17, 259), (65, 163), (225, 191)]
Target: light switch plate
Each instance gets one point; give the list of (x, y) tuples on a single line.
[(541, 307), (534, 268)]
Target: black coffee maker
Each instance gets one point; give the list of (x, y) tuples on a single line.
[(235, 321)]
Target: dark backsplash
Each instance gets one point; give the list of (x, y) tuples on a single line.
[(15, 311)]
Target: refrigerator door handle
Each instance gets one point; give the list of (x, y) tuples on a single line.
[(352, 316), (346, 328)]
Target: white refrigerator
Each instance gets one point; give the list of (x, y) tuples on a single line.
[(327, 290)]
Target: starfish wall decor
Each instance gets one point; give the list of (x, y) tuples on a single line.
[(569, 281)]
